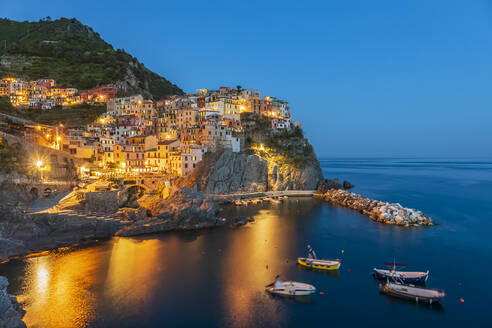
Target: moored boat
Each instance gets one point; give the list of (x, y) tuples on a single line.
[(393, 274), (403, 276), (319, 264), (290, 288), (411, 292), (313, 262)]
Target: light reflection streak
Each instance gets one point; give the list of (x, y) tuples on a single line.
[(246, 273)]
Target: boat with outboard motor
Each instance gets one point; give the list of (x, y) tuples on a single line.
[(313, 262), (394, 274), (411, 292), (290, 288)]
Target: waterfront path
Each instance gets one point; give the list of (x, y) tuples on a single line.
[(259, 194)]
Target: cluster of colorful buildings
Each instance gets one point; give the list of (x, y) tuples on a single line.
[(44, 94), (170, 136)]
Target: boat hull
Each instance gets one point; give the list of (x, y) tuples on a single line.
[(406, 277), (291, 288), (319, 264), (412, 293)]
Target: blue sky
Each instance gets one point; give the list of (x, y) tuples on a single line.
[(365, 78)]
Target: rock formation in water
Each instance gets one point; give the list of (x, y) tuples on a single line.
[(388, 213), (11, 312)]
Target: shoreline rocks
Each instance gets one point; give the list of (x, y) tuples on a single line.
[(383, 212), (11, 313)]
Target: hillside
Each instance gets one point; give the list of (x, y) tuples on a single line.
[(74, 55)]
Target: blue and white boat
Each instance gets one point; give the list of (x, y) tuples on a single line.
[(394, 274)]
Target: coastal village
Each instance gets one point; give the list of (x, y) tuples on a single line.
[(137, 136)]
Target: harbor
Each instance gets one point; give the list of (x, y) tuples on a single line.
[(238, 262)]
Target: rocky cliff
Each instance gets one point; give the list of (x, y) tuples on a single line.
[(270, 161), (229, 172), (11, 312)]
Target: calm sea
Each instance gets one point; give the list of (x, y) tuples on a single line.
[(215, 278)]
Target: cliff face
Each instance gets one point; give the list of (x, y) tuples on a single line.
[(230, 172)]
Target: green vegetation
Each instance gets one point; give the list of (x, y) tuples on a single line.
[(289, 146), (75, 56)]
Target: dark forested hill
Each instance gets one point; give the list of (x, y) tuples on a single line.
[(74, 55)]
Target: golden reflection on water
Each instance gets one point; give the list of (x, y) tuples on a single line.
[(60, 290), (253, 260), (56, 291), (131, 273)]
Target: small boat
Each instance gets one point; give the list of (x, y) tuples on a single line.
[(275, 201), (411, 292), (290, 288), (319, 264), (401, 276)]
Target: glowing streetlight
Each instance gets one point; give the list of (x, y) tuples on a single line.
[(39, 164), (58, 139), (261, 147)]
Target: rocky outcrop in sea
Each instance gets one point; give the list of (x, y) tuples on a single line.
[(11, 312), (388, 213)]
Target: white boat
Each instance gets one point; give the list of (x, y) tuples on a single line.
[(403, 276), (290, 288), (412, 292), (275, 201)]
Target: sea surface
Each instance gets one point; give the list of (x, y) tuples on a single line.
[(216, 278)]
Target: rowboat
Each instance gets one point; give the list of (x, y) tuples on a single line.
[(411, 292), (290, 288), (403, 276), (313, 262), (319, 264)]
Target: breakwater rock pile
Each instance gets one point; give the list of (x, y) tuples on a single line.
[(11, 312), (388, 213)]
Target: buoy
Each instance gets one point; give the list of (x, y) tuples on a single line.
[(322, 293), (380, 285), (348, 270), (462, 300), (266, 266), (286, 260), (459, 284), (220, 249)]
